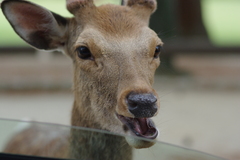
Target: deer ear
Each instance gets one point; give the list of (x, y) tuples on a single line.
[(36, 25), (142, 8)]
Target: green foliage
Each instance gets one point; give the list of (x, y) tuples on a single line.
[(222, 21)]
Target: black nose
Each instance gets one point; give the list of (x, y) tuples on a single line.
[(142, 105)]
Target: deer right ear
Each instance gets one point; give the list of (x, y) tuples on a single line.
[(36, 25)]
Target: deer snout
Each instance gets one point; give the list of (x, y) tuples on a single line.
[(135, 110), (142, 105)]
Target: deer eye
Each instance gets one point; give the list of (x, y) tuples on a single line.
[(157, 51), (84, 53)]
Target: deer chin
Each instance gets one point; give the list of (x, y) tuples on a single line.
[(142, 128)]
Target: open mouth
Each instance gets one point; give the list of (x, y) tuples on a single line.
[(141, 127)]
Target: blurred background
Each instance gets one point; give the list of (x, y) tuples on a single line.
[(198, 80)]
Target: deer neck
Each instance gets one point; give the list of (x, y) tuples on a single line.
[(90, 145), (98, 146)]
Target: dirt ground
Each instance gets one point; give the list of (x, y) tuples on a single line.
[(198, 111)]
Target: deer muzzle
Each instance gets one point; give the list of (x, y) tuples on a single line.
[(134, 111), (142, 105)]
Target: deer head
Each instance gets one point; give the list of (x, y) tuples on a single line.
[(114, 53)]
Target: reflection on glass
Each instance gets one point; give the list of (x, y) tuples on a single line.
[(49, 140)]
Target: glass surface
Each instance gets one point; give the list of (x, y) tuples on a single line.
[(160, 151)]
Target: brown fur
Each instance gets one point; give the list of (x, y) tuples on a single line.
[(40, 140), (123, 48)]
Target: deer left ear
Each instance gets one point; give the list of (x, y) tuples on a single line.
[(36, 25)]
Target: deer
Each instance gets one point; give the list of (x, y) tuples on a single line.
[(114, 55)]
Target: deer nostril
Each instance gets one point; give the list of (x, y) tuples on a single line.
[(132, 105), (142, 105)]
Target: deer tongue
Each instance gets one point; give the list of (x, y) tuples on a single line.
[(141, 127)]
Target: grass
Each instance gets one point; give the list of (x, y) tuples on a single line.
[(221, 19)]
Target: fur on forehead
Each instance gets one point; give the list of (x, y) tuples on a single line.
[(74, 5), (111, 19), (137, 11)]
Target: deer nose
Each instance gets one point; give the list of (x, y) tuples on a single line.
[(142, 105)]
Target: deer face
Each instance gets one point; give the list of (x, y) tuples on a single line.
[(115, 56)]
